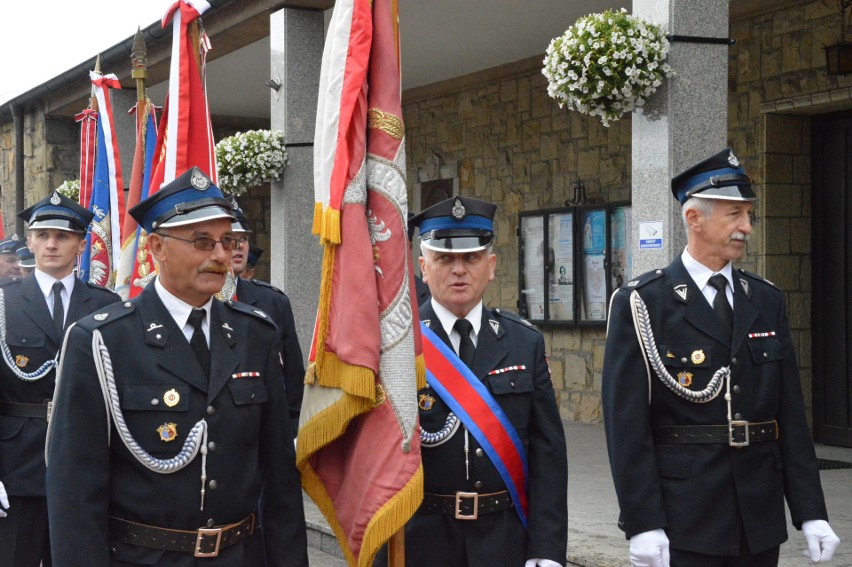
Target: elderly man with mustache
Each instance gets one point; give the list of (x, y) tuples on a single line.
[(702, 399), (170, 416)]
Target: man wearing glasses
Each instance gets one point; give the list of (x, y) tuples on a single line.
[(195, 425)]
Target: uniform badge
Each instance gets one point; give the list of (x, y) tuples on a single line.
[(21, 361), (458, 210), (100, 316), (697, 356), (684, 379), (55, 199), (680, 290), (171, 398), (260, 313), (427, 322), (168, 432), (732, 159), (669, 354), (426, 402), (199, 181)]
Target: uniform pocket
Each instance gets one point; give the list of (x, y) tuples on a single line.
[(248, 394), (765, 350), (686, 355), (155, 397)]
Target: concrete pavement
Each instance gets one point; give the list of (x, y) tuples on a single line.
[(594, 540)]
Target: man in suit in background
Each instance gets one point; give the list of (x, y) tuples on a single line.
[(37, 309), (171, 471), (702, 400), (481, 506), (276, 304), (9, 260)]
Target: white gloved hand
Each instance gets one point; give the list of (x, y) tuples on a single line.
[(821, 540), (4, 501), (540, 563), (650, 549)]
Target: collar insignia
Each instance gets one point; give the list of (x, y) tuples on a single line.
[(428, 323), (744, 283), (681, 291), (495, 326), (100, 316)]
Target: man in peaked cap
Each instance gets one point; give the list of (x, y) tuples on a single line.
[(196, 426), (254, 254), (471, 513), (276, 304), (702, 400), (26, 260), (8, 260), (37, 310)]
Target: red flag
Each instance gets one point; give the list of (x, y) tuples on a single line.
[(185, 135), (359, 447)]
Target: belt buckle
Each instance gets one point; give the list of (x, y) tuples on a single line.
[(737, 423), (49, 412), (459, 496), (199, 541)]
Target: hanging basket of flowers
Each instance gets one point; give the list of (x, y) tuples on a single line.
[(248, 159), (70, 188), (606, 64)]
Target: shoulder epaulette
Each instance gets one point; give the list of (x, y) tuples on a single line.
[(645, 278), (5, 282), (757, 278), (266, 285), (101, 288), (514, 317), (108, 314), (249, 310)]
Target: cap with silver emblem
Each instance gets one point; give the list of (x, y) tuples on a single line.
[(717, 177), (458, 224), (59, 212)]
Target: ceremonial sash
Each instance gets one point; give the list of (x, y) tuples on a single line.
[(477, 409)]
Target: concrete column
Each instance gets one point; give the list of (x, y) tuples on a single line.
[(685, 121), (296, 43)]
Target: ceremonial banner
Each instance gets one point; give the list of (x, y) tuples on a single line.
[(358, 447), (185, 134), (103, 239)]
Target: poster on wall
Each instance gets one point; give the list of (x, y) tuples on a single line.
[(561, 298), (621, 249), (594, 265), (532, 274)]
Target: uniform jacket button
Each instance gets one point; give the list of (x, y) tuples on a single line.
[(210, 523), (684, 359), (211, 410), (737, 389), (213, 484), (734, 361), (155, 402), (211, 446), (478, 484), (479, 452), (738, 416)]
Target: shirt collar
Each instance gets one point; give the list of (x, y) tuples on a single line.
[(448, 319), (701, 273), (45, 282), (178, 308)]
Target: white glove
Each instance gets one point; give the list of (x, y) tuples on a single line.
[(821, 540), (541, 563), (4, 501), (650, 549)]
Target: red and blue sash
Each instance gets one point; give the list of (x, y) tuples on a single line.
[(470, 400)]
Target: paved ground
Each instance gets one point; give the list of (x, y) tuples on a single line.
[(593, 538)]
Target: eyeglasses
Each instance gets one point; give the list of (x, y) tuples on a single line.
[(207, 244)]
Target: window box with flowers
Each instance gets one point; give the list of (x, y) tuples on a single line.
[(248, 159), (606, 64), (71, 189)]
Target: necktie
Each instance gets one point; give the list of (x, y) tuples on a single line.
[(58, 310), (198, 342), (466, 348), (720, 302)]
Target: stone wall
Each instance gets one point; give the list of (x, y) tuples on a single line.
[(515, 147)]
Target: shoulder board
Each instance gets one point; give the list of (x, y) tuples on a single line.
[(5, 282), (757, 278), (267, 285), (514, 317), (249, 310), (108, 314), (644, 279), (101, 288)]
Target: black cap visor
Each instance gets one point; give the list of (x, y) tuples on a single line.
[(457, 240)]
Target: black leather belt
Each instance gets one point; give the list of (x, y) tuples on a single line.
[(465, 505), (203, 542), (736, 434), (14, 409)]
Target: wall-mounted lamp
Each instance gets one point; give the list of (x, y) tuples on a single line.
[(580, 197), (838, 57)]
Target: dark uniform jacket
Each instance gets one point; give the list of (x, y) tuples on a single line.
[(91, 477), (33, 340), (276, 304), (704, 495), (528, 399)]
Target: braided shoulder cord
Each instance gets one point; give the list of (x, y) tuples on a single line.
[(196, 439), (40, 372), (443, 435), (642, 322)]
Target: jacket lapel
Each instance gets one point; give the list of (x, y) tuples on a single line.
[(162, 333), (245, 293), (745, 314), (78, 306), (36, 308), (490, 351), (699, 313), (223, 357), (427, 315)]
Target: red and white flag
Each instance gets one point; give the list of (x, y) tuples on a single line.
[(359, 447)]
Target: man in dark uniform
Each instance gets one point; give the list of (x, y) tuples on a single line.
[(9, 260), (472, 514), (702, 400), (37, 309), (254, 254), (276, 304), (26, 260), (170, 471), (420, 287)]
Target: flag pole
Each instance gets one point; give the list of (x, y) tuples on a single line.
[(139, 70)]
